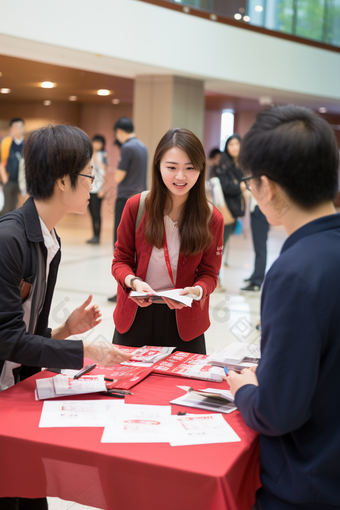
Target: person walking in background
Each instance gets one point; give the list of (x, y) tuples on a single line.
[(178, 244), (11, 154), (97, 191), (259, 230), (230, 176), (131, 172)]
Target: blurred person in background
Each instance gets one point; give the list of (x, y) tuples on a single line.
[(131, 172), (213, 160), (97, 191), (11, 155), (230, 175)]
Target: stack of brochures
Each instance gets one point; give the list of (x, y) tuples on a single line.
[(210, 399), (151, 354), (186, 364), (235, 356), (169, 294), (63, 385)]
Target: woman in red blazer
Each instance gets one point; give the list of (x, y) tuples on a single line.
[(178, 244)]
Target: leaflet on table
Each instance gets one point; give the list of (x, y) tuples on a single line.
[(123, 377), (77, 413), (221, 401), (138, 424), (171, 294), (201, 429), (234, 354), (193, 366), (62, 386), (147, 355)]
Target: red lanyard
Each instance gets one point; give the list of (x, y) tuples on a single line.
[(167, 259)]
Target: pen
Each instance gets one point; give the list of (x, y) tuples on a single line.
[(226, 370), (85, 370), (122, 392)]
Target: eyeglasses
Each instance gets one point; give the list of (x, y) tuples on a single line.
[(92, 177), (247, 179)]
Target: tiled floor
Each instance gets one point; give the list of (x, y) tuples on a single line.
[(86, 269)]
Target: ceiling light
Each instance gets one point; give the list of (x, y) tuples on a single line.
[(47, 102), (265, 100), (258, 8), (237, 15), (178, 1), (103, 92), (72, 98), (0, 74), (47, 85), (213, 17), (246, 18), (322, 109), (5, 91), (115, 101), (186, 10)]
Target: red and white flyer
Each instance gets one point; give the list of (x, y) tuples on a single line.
[(186, 364)]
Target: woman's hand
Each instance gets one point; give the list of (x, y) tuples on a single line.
[(236, 381), (190, 290), (143, 287), (104, 353), (175, 305)]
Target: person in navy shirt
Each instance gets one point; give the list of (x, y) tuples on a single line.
[(292, 399)]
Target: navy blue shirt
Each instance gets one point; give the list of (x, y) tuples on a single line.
[(133, 160), (14, 157), (296, 407)]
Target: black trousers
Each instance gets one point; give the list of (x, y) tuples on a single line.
[(11, 190), (156, 325), (259, 228), (119, 207), (94, 208), (228, 230), (23, 504)]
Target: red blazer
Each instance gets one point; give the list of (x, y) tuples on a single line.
[(201, 269)]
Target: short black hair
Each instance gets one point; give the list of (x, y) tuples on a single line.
[(125, 124), (51, 153), (16, 119), (214, 153), (101, 139), (297, 148)]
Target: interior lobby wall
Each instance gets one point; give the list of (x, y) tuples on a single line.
[(212, 130)]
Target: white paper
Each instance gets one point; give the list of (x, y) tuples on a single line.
[(62, 386), (171, 294), (201, 429), (200, 402), (234, 353), (77, 413), (138, 424)]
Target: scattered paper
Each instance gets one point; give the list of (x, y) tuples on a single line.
[(138, 424), (62, 386), (194, 399), (201, 429), (170, 294), (77, 413)]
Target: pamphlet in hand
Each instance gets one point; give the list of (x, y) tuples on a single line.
[(236, 356), (186, 364), (210, 399), (170, 294)]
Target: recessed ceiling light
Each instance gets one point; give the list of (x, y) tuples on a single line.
[(265, 100), (322, 109), (0, 74), (115, 101), (47, 102), (103, 92), (246, 18), (72, 98), (186, 10), (5, 91), (237, 15), (213, 17), (47, 85), (258, 8)]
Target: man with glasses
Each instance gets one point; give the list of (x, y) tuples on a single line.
[(291, 399), (59, 178)]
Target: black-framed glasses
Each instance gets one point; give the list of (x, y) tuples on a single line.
[(247, 179), (92, 177)]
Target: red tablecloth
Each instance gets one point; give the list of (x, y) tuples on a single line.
[(72, 463)]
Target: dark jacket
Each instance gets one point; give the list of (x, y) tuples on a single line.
[(296, 408), (21, 237), (230, 177)]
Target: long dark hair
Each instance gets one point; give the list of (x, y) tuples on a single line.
[(226, 157), (193, 226)]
